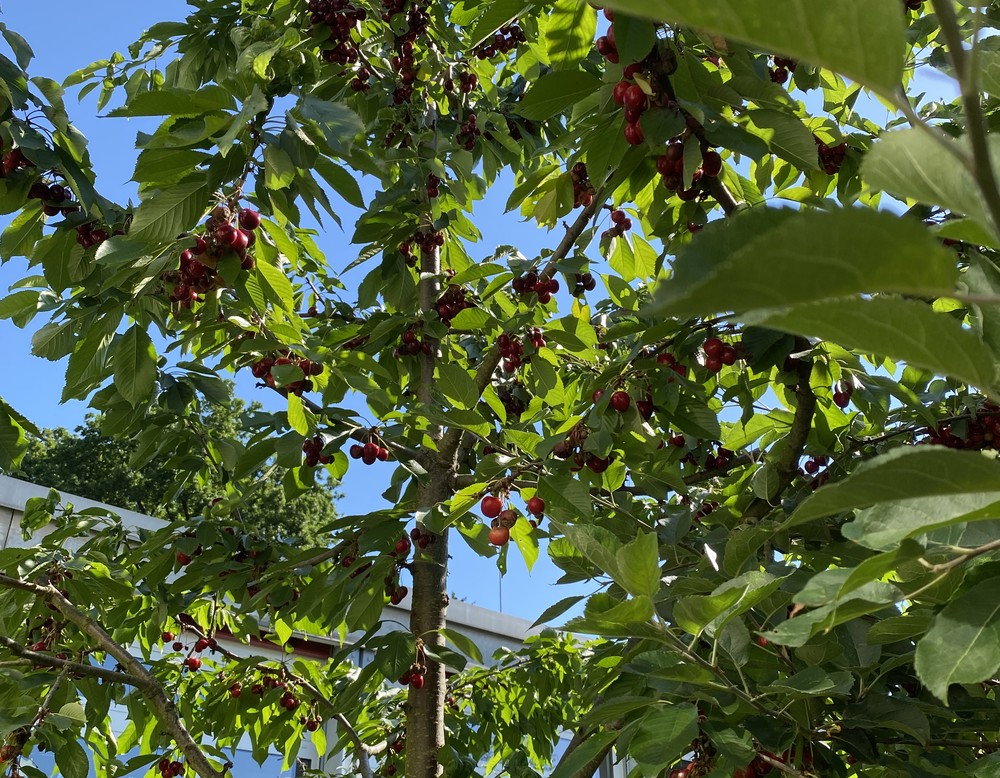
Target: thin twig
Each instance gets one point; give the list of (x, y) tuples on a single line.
[(75, 668)]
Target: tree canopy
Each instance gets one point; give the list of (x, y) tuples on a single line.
[(749, 391), (88, 463)]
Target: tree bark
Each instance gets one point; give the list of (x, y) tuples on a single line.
[(429, 603)]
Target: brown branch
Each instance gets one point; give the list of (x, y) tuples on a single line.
[(777, 764), (162, 706), (74, 668), (962, 559), (361, 751)]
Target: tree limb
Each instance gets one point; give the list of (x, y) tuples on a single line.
[(161, 705), (75, 668)]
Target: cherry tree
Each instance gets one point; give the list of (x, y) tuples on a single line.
[(749, 390)]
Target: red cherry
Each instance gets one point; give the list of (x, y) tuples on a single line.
[(249, 219), (403, 547), (713, 347), (620, 401), (635, 97), (417, 682), (597, 395), (356, 451), (713, 364), (178, 646), (645, 408), (167, 637), (491, 506), (634, 134), (192, 662), (728, 355), (711, 163), (499, 536), (235, 690), (536, 506), (201, 644), (618, 216), (182, 559), (619, 92), (841, 399)]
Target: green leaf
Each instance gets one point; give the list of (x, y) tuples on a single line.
[(566, 498), (864, 41), (638, 565), (297, 418), (341, 180), (21, 235), (770, 258), (634, 38), (664, 735), (902, 329), (134, 364), (13, 441), (903, 474), (276, 285), (814, 681), (910, 164), (338, 123), (786, 136), (963, 643), (166, 166), (463, 643), (897, 628), (175, 101), (581, 756), (569, 35), (693, 614), (886, 525), (457, 385), (18, 303), (556, 92), (526, 539), (171, 211), (72, 760)]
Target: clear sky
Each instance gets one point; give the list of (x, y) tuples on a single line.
[(71, 35)]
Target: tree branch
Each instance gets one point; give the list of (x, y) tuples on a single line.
[(162, 706), (981, 165), (74, 668), (361, 751)]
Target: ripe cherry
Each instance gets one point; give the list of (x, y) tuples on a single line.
[(713, 364), (713, 347), (635, 97), (536, 506), (499, 536), (728, 355), (192, 662), (618, 216), (417, 682), (403, 547), (491, 506), (634, 134), (177, 646), (182, 559), (711, 163), (249, 219), (620, 401), (167, 636), (619, 93)]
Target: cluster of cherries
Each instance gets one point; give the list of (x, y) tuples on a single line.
[(264, 366), (426, 240), (620, 224), (670, 166), (393, 590), (982, 432), (454, 300), (831, 157), (313, 449), (221, 235), (405, 65), (668, 359), (635, 101), (55, 198), (532, 282), (414, 677), (505, 41), (583, 189), (288, 699), (842, 394), (606, 45), (584, 282), (369, 453), (468, 133), (503, 519), (466, 83), (170, 769), (421, 538), (433, 186), (512, 349), (718, 354), (341, 17), (411, 344), (782, 67), (89, 235), (511, 399)]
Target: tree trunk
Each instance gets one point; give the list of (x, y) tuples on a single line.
[(429, 603)]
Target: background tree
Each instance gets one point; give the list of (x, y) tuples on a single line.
[(90, 464), (715, 403)]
